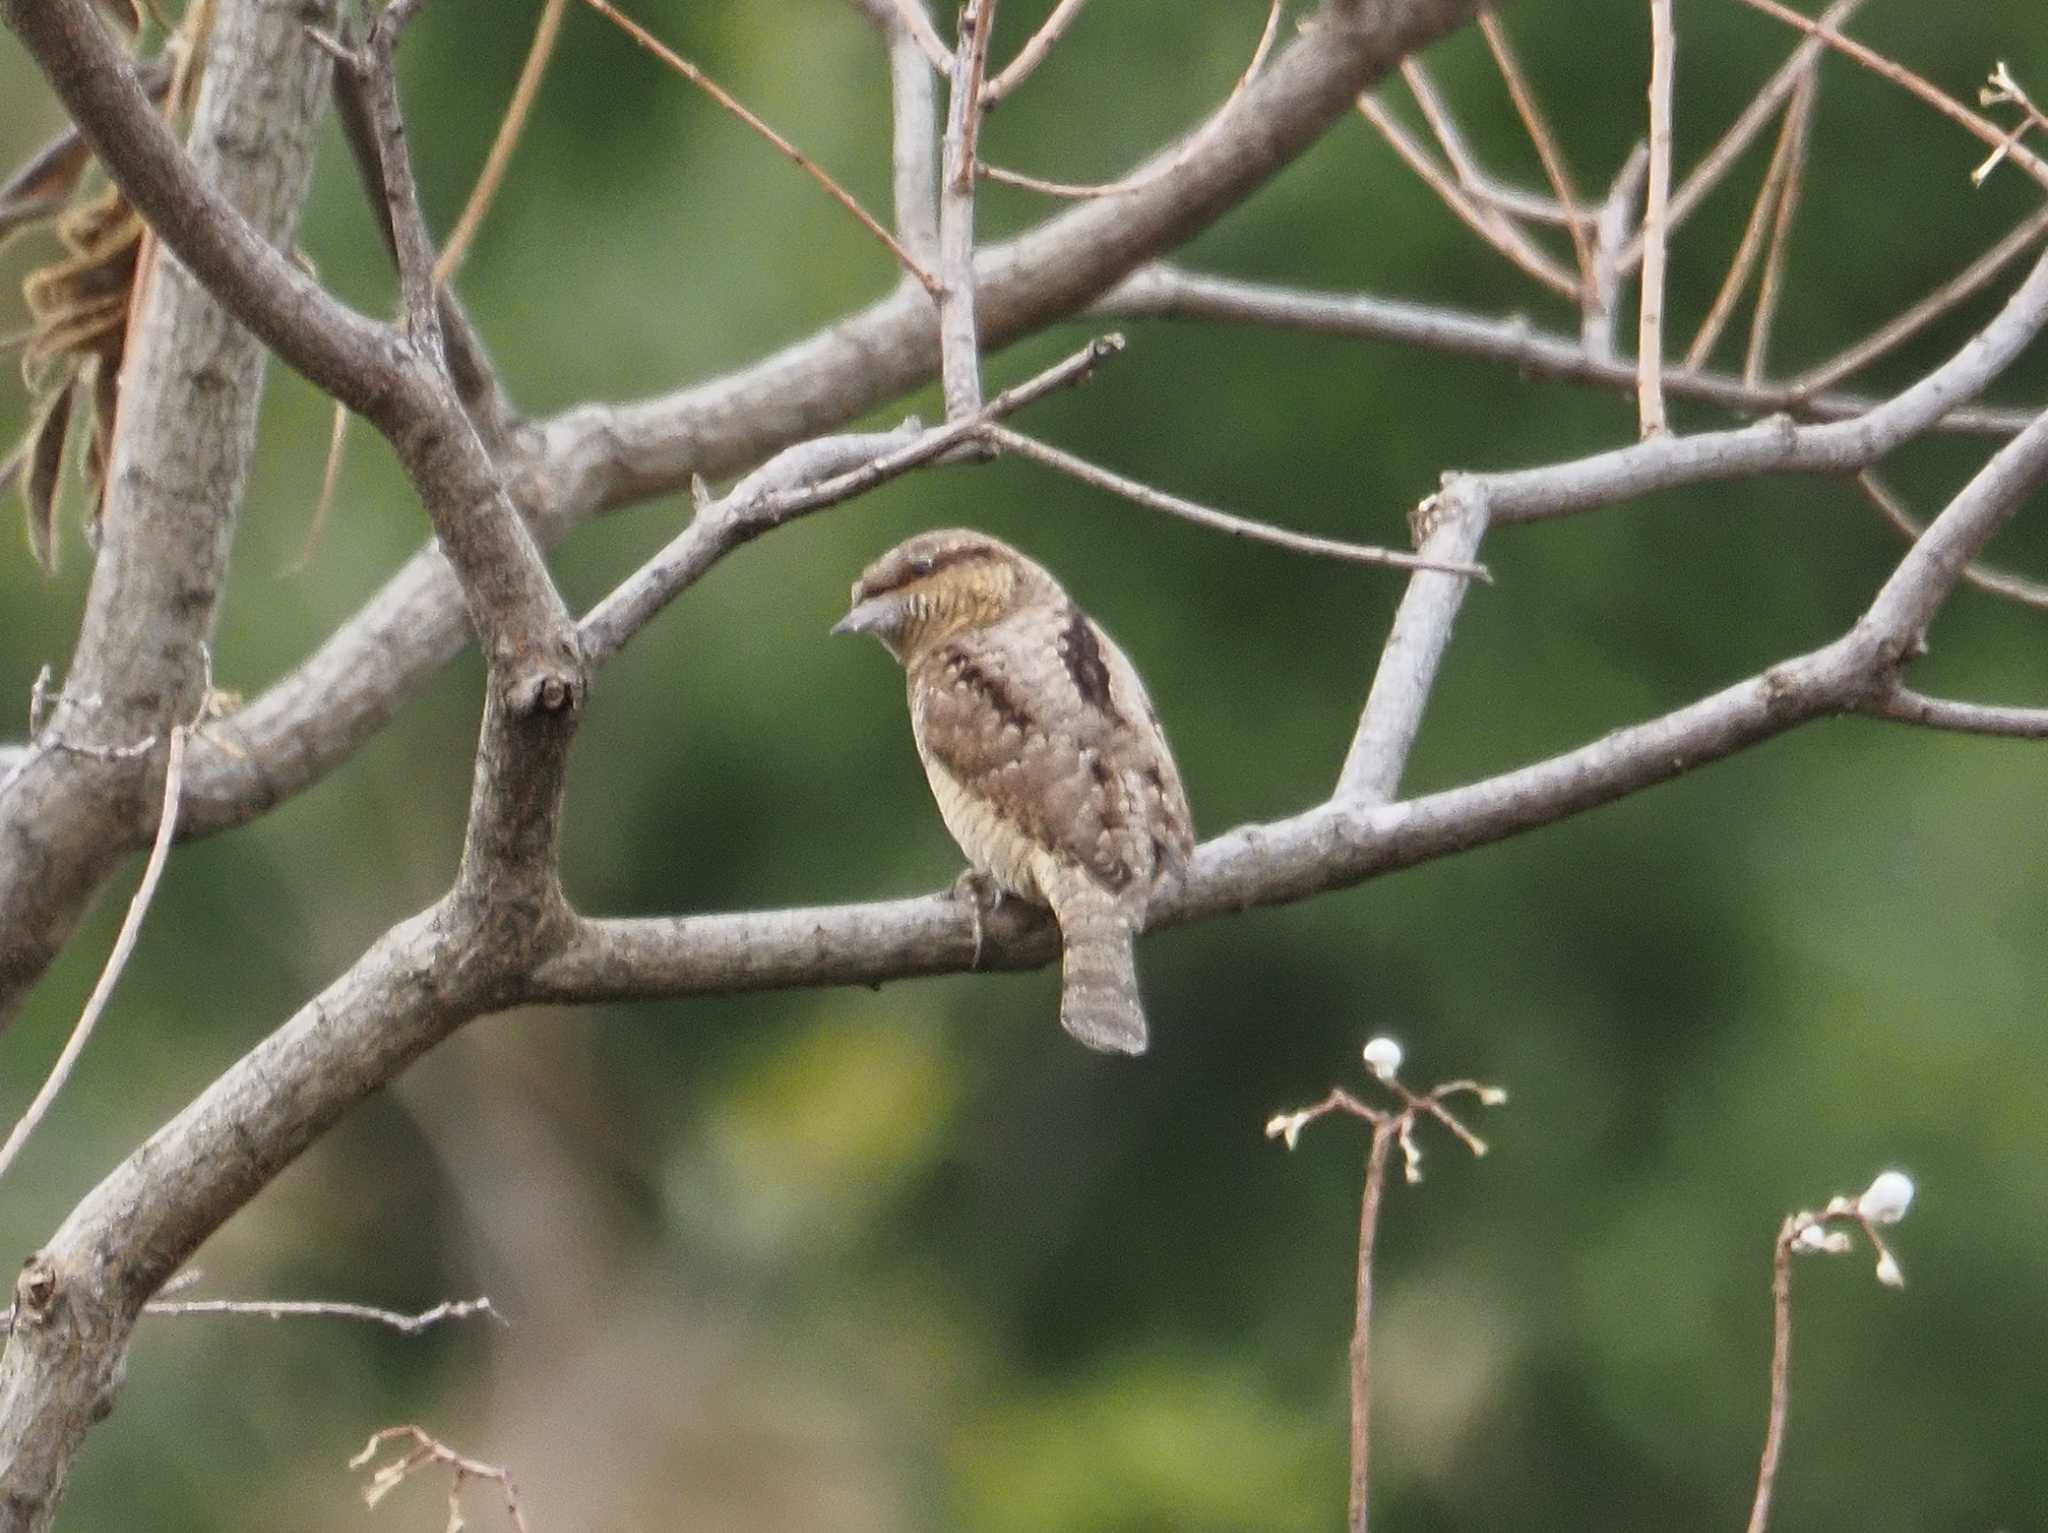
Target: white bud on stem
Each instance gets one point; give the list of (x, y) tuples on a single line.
[(1887, 1198), (1383, 1057)]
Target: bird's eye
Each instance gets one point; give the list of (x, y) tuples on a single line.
[(921, 567)]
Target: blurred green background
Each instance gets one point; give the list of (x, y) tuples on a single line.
[(910, 1258)]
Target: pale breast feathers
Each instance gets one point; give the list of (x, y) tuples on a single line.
[(1042, 717)]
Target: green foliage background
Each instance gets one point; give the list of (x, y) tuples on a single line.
[(909, 1259)]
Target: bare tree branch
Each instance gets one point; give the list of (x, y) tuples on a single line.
[(1555, 169), (959, 334), (1167, 292), (1650, 327), (738, 109), (538, 52), (1224, 522), (1451, 525), (77, 1305), (1035, 48), (1743, 131), (1771, 285), (1601, 301), (326, 1309), (186, 426), (1778, 445), (914, 145), (2001, 583), (1906, 706), (1751, 244), (801, 479), (1480, 218), (1966, 284)]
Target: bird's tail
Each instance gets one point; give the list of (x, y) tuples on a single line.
[(1099, 971)]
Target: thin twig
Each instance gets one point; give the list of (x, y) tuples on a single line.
[(2016, 588), (803, 162), (1749, 246), (1033, 53), (1555, 170), (1442, 126), (545, 32), (1650, 326), (1218, 521), (426, 1450), (1706, 175), (1781, 1374), (2004, 90), (1166, 165), (1505, 238), (1971, 280), (117, 960), (1389, 1128), (1905, 706), (1917, 85), (1384, 1133), (330, 477), (1799, 123), (320, 1309)]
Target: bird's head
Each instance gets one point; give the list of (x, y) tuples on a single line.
[(924, 591)]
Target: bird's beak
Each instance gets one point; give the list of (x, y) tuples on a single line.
[(878, 615)]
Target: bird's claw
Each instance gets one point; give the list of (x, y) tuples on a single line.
[(983, 897)]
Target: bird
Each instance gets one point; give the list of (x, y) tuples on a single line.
[(1045, 755)]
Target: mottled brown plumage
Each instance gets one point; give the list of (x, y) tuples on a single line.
[(1043, 752)]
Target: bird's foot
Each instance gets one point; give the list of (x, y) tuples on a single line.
[(983, 897)]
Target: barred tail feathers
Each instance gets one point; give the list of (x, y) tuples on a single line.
[(1098, 968)]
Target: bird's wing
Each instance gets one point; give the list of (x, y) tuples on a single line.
[(1035, 716), (1143, 756)]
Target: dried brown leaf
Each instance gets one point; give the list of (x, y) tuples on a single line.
[(99, 447), (43, 485)]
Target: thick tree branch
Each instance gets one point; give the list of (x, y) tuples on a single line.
[(186, 426)]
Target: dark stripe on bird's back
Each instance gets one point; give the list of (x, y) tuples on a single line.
[(991, 689), (1082, 652)]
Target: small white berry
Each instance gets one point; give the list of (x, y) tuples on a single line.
[(1888, 1271), (1383, 1057), (1811, 1237), (1887, 1198)]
